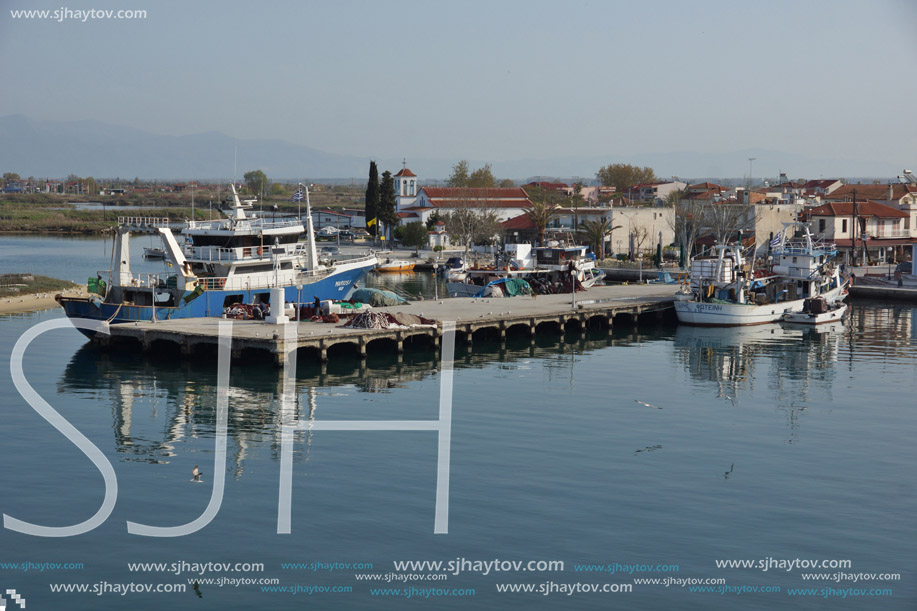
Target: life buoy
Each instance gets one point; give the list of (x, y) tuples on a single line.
[(259, 251), (221, 282)]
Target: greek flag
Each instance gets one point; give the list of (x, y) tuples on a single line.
[(776, 241), (297, 197)]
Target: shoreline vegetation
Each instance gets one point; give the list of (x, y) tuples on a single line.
[(66, 213), (21, 293)]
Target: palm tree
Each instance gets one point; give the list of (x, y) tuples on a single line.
[(541, 213), (596, 232)]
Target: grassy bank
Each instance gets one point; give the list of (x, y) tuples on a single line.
[(13, 285), (30, 218)]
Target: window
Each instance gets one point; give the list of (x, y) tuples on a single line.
[(821, 225), (844, 226)]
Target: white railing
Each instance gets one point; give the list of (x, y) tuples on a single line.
[(143, 221)]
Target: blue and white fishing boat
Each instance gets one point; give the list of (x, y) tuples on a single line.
[(213, 265)]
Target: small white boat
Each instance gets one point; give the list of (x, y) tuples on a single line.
[(154, 253), (817, 311), (395, 265)]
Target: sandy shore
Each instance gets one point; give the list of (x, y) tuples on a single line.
[(35, 302)]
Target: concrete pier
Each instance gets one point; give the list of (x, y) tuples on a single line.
[(551, 314)]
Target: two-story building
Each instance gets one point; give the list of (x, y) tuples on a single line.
[(885, 232), (653, 192)]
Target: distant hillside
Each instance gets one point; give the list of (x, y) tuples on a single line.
[(90, 148)]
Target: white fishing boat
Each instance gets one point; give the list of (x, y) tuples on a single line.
[(723, 290), (817, 311), (546, 269)]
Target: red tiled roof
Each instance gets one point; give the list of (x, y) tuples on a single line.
[(406, 172), (867, 208), (879, 192), (556, 186), (407, 215), (483, 203), (475, 193), (823, 183), (523, 221)]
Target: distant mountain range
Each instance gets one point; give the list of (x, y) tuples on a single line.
[(90, 148)]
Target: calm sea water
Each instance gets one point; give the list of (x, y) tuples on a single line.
[(652, 446)]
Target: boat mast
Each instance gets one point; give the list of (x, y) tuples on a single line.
[(312, 256)]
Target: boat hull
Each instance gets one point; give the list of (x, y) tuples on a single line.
[(388, 268), (704, 314)]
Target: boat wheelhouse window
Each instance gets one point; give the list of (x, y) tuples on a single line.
[(262, 267), (794, 259)]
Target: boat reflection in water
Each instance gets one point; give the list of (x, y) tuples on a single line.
[(161, 404), (728, 356)]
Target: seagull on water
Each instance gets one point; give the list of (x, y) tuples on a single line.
[(196, 474)]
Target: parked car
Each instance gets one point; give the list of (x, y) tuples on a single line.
[(360, 233), (905, 267), (345, 234)]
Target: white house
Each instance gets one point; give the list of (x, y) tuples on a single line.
[(886, 232), (330, 218), (505, 202)]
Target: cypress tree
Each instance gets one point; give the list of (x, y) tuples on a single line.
[(372, 198), (386, 208)]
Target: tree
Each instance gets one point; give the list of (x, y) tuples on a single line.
[(7, 176), (459, 176), (278, 189), (462, 176), (507, 183), (725, 220), (639, 234), (541, 213), (597, 231), (687, 220), (623, 176), (256, 181), (386, 212), (372, 199), (482, 178), (461, 225), (414, 235), (432, 220), (91, 186)]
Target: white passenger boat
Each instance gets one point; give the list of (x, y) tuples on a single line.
[(723, 290)]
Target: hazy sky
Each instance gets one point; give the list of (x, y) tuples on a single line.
[(493, 80)]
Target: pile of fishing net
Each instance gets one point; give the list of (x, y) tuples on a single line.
[(386, 320)]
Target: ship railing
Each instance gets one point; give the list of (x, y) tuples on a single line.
[(244, 283), (219, 254), (143, 222)]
